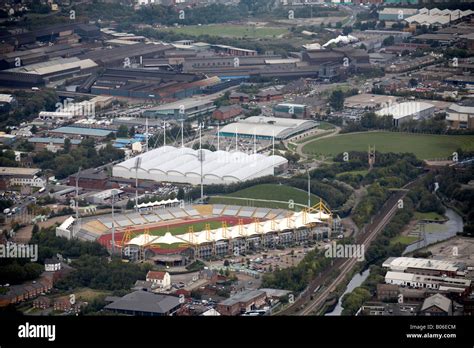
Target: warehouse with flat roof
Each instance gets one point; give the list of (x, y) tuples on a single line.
[(263, 127), (83, 132), (402, 112), (181, 109)]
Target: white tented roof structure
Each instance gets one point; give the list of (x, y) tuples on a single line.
[(157, 203), (181, 165), (168, 238), (294, 221), (267, 127)]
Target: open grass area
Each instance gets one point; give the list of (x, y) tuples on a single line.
[(429, 216), (326, 125), (88, 295), (272, 192), (230, 31), (405, 240), (181, 229), (422, 145)]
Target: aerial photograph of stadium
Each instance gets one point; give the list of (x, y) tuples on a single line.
[(243, 160)]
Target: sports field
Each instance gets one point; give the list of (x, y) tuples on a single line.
[(230, 31), (272, 192), (422, 145)]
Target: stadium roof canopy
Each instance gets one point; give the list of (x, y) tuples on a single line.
[(181, 165), (267, 127), (294, 221)]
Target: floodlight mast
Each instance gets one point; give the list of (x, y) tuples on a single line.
[(138, 162), (201, 160), (77, 192), (113, 192), (146, 134)]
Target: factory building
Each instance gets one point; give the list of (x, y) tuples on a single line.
[(181, 109), (291, 110), (262, 127), (403, 112)]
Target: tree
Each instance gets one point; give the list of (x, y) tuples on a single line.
[(336, 100), (122, 131), (131, 132), (67, 145), (388, 41), (346, 30), (180, 194)]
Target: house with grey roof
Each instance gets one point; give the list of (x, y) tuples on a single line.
[(144, 303)]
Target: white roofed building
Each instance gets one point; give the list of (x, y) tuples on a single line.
[(181, 165), (263, 127), (402, 112)]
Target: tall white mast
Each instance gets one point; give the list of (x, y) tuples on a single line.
[(236, 145), (146, 134), (164, 133), (254, 141)]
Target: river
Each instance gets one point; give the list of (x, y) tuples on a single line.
[(356, 281), (441, 231)]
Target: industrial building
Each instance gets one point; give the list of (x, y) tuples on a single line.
[(242, 302), (262, 127), (291, 110), (51, 144), (183, 165), (15, 176), (402, 112), (79, 132), (39, 74), (394, 14), (423, 266), (181, 109), (148, 84), (144, 303), (441, 283), (460, 116)]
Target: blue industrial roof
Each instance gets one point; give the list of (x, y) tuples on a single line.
[(84, 131), (126, 141)]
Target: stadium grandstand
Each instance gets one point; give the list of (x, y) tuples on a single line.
[(263, 127), (182, 165), (180, 232)]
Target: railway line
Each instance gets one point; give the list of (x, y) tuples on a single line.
[(344, 266)]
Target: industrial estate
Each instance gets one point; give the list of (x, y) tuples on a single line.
[(237, 158)]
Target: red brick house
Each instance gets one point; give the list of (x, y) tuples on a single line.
[(90, 179), (236, 97), (269, 95), (227, 113)]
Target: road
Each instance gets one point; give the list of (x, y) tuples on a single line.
[(303, 305)]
